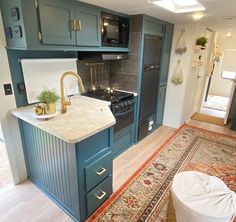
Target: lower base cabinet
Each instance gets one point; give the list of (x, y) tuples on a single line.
[(77, 177), (98, 195)]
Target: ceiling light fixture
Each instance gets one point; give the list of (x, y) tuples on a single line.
[(229, 34), (179, 6), (198, 16)]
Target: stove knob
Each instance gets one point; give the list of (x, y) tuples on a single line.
[(117, 108), (130, 102)]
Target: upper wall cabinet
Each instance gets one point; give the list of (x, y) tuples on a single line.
[(56, 22), (64, 23), (51, 25), (88, 25)]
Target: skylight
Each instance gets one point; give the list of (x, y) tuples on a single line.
[(179, 6)]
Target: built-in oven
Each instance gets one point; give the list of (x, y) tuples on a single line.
[(122, 106), (123, 111), (115, 30)]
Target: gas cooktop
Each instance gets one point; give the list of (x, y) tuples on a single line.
[(109, 95)]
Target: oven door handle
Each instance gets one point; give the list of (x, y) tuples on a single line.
[(120, 114)]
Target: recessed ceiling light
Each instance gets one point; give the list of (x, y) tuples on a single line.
[(229, 34), (185, 2), (198, 16), (179, 6)]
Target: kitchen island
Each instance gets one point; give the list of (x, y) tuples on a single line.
[(69, 156)]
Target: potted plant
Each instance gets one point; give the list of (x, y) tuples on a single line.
[(48, 98), (201, 41)]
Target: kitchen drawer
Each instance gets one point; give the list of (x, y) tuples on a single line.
[(98, 171), (98, 195)]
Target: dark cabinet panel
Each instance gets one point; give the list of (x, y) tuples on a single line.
[(150, 75), (56, 22)]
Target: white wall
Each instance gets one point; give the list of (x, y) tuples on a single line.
[(179, 98), (9, 124), (219, 86)]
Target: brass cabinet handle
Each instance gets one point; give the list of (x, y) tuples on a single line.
[(78, 25), (101, 171), (102, 195), (73, 25)]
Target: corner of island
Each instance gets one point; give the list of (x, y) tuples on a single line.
[(69, 157)]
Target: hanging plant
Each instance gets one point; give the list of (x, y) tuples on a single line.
[(201, 41), (177, 77), (181, 45)]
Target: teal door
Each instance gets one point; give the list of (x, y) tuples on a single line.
[(56, 22), (89, 30), (160, 105)]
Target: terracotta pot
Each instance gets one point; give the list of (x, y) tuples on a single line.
[(50, 108)]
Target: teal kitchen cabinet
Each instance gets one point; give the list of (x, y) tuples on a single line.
[(89, 33), (51, 25), (76, 176), (56, 20), (160, 105), (67, 23)]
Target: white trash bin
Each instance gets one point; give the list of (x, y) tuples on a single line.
[(198, 197)]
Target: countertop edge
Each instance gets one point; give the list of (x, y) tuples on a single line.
[(22, 114)]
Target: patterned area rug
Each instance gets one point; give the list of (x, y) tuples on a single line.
[(145, 196)]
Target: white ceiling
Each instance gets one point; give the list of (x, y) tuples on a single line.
[(214, 16)]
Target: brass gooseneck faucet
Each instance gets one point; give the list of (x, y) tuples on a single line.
[(64, 102)]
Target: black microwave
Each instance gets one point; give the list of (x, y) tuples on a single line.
[(115, 30)]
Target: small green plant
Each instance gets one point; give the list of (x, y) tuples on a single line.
[(201, 41), (48, 96)]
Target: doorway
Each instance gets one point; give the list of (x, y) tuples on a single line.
[(5, 171), (218, 91), (220, 88)]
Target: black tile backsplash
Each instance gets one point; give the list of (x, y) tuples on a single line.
[(84, 72), (131, 65), (124, 81), (135, 43), (122, 74)]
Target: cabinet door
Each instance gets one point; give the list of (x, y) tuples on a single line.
[(55, 21), (160, 105), (89, 30)]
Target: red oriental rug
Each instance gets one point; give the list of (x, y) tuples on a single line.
[(144, 197)]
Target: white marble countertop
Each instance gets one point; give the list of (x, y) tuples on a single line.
[(84, 118)]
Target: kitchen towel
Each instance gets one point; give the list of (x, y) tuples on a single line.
[(40, 74)]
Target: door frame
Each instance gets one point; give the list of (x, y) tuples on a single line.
[(205, 76)]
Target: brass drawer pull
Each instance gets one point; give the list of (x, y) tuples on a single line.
[(102, 195), (73, 25), (101, 171), (78, 25)]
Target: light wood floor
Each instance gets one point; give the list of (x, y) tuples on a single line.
[(25, 203), (5, 172)]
